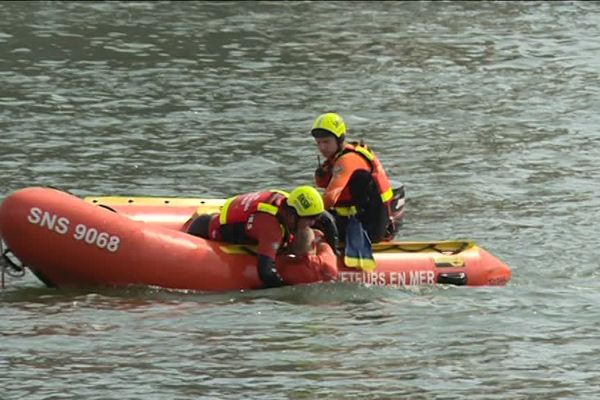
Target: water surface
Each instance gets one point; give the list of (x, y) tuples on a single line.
[(486, 111)]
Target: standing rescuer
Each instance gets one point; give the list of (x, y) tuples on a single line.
[(276, 221), (355, 182)]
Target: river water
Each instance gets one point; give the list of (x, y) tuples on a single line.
[(486, 111)]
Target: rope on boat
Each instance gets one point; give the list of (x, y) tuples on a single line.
[(461, 246), (8, 266), (59, 189)]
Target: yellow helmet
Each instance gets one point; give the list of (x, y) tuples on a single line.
[(329, 123), (307, 201)]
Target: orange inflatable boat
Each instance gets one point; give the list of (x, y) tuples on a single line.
[(121, 241)]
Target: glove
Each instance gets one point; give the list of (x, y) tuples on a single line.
[(326, 224), (268, 273)]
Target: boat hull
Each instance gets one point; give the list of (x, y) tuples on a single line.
[(69, 242)]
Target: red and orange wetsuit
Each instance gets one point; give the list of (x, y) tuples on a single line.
[(252, 218), (256, 218), (356, 184)]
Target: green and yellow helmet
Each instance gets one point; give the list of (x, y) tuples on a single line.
[(307, 201), (329, 123)]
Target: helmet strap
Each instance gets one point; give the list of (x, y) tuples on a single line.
[(340, 147), (291, 218), (340, 142)]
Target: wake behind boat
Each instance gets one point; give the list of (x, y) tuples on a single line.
[(119, 241)]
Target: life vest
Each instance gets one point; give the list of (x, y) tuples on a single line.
[(344, 205), (238, 209)]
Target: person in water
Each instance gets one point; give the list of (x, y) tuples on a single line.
[(278, 222), (354, 180)]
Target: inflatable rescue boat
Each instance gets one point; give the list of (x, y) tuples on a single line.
[(121, 241)]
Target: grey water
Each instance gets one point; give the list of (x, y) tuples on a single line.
[(486, 111)]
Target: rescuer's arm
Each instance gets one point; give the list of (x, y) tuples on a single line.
[(266, 230)]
